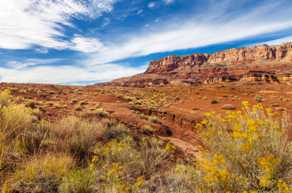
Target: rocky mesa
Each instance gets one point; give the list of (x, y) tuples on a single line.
[(258, 63)]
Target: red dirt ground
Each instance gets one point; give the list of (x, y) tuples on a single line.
[(170, 112)]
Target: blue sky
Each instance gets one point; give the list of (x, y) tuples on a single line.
[(88, 41)]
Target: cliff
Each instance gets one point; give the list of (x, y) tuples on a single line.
[(251, 55), (258, 63)]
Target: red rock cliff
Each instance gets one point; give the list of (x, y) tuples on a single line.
[(251, 55), (267, 63)]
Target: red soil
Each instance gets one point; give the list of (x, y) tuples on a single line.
[(178, 112)]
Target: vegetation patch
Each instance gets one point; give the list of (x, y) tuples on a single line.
[(243, 151)]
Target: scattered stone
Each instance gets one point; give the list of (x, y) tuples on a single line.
[(275, 105), (229, 107), (280, 109), (35, 118)]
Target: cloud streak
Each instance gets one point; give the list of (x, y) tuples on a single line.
[(42, 25), (66, 74), (27, 23), (206, 28)]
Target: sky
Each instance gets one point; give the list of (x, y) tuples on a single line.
[(90, 41)]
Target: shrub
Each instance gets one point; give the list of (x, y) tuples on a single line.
[(101, 112), (117, 163), (121, 151), (125, 164), (148, 129), (180, 179), (33, 140), (246, 151), (114, 180), (153, 119), (42, 174), (14, 120), (115, 131), (259, 99), (5, 98), (76, 136), (79, 181), (155, 154), (18, 135)]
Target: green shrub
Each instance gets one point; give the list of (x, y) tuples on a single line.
[(118, 163), (246, 151), (148, 129), (180, 179), (259, 99), (42, 174), (153, 119), (79, 181), (155, 154), (115, 131), (34, 139), (121, 151), (125, 164), (101, 112)]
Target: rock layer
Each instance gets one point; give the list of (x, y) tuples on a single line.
[(259, 63), (252, 55)]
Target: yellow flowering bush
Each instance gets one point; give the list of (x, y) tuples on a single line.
[(18, 134), (41, 174), (244, 152), (79, 181), (5, 98), (128, 164), (247, 150), (180, 179)]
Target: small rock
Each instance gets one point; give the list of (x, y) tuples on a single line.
[(280, 109), (35, 118), (228, 107), (275, 105)]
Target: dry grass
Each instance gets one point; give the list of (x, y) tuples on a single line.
[(245, 152), (41, 174), (76, 136)]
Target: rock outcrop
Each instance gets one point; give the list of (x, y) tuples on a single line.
[(259, 63)]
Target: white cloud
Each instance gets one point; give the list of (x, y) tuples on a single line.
[(206, 28), (25, 64), (25, 23), (42, 50), (140, 11), (279, 41), (86, 45), (152, 5), (67, 74), (167, 2), (97, 7)]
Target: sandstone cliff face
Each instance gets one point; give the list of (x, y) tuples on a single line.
[(252, 55), (259, 63), (170, 63)]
